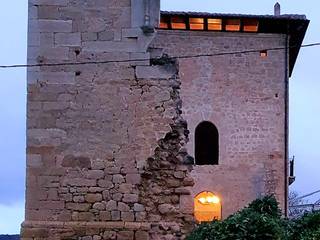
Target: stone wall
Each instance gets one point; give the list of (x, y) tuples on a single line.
[(100, 134), (244, 96), (108, 142)]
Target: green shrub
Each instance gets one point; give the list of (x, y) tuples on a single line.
[(305, 228), (261, 220)]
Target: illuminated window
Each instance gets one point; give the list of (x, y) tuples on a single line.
[(214, 24), (178, 23), (250, 25), (164, 22), (196, 23), (232, 24), (206, 144), (207, 207), (264, 53)]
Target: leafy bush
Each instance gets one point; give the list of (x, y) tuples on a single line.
[(305, 228), (261, 220)]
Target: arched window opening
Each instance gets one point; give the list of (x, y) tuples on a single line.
[(207, 207), (206, 144)]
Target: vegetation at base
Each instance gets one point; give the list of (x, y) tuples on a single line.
[(9, 237), (260, 220)]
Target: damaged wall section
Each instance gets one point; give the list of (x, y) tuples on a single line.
[(111, 161)]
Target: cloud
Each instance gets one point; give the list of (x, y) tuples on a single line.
[(11, 217)]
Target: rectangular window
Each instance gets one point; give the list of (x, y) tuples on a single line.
[(232, 25), (178, 23), (164, 23), (196, 23), (250, 25), (214, 24)]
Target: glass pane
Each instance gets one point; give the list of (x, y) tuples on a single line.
[(233, 25), (214, 24), (178, 23), (250, 25), (196, 23), (163, 25)]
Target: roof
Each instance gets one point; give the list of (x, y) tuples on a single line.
[(233, 15), (292, 24)]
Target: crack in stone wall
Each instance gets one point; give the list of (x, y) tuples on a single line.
[(167, 175)]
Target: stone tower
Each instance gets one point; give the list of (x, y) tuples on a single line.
[(134, 120)]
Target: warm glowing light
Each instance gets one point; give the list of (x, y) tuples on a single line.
[(196, 23), (215, 24), (213, 199), (207, 207), (178, 23), (264, 53), (209, 200), (233, 25), (250, 25)]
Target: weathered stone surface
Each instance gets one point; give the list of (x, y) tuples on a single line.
[(93, 197), (166, 208), (130, 198), (125, 235), (99, 206), (142, 235)]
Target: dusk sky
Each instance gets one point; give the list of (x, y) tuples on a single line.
[(304, 97)]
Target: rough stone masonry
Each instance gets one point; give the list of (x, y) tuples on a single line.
[(110, 145)]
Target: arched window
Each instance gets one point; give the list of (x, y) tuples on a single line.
[(206, 144), (207, 207)]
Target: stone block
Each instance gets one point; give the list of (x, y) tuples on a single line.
[(95, 174), (118, 178), (110, 235), (111, 205), (125, 235), (109, 46), (105, 184), (105, 215), (79, 182), (137, 207), (99, 206), (122, 207), (125, 188), (133, 178), (58, 26), (127, 216), (130, 198), (86, 216), (141, 235), (34, 160), (93, 197), (166, 208), (140, 216), (57, 77), (115, 215), (78, 206), (68, 39)]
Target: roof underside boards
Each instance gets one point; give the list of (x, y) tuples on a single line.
[(293, 25)]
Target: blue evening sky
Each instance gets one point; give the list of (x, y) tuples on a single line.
[(304, 97)]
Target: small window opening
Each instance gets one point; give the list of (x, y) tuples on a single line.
[(214, 24), (250, 25), (196, 23), (164, 22), (207, 207), (264, 53), (178, 23), (206, 144), (232, 25)]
